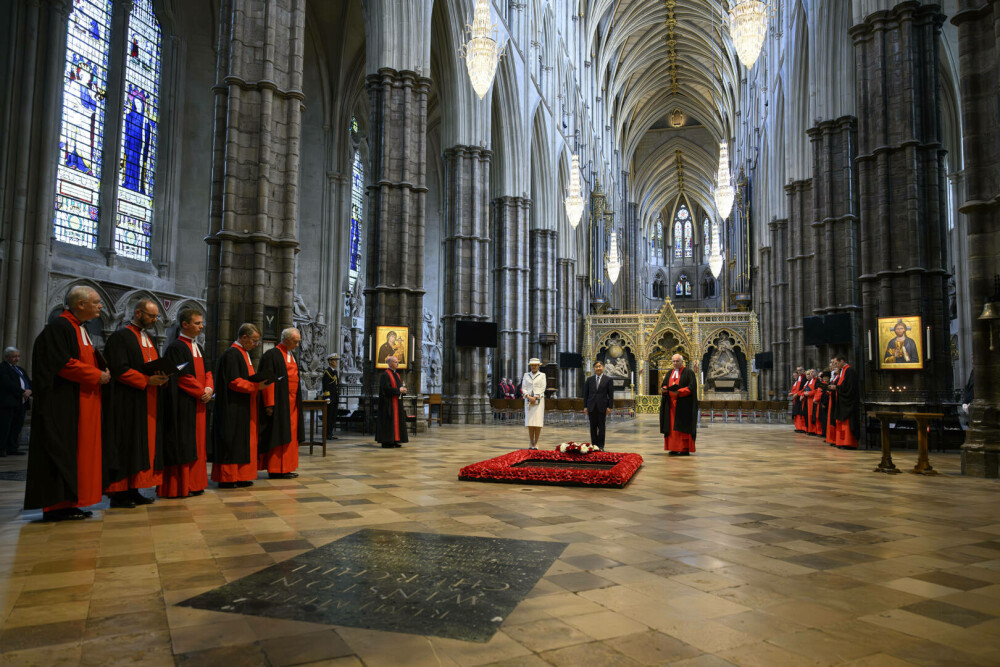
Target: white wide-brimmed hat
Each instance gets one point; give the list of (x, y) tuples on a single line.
[(333, 357), (534, 361)]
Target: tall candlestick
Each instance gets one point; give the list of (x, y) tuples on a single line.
[(928, 343), (369, 348), (870, 353)]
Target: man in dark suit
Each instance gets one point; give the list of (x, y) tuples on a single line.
[(15, 397), (598, 397)]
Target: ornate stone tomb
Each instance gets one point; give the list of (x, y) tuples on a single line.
[(419, 583)]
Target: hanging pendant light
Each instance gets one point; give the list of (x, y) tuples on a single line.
[(574, 201), (748, 27), (481, 52), (614, 258), (715, 259), (724, 194)]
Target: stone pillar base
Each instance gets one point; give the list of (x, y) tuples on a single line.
[(980, 461), (466, 410)]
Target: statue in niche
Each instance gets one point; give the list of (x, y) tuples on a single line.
[(348, 360), (356, 300), (723, 365), (616, 361)]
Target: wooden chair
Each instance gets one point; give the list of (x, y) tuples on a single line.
[(435, 400), (564, 408), (577, 407), (550, 410)]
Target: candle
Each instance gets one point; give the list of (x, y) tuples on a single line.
[(632, 378), (928, 343), (369, 348), (411, 351), (870, 345)]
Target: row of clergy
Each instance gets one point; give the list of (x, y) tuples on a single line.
[(114, 423), (825, 403)]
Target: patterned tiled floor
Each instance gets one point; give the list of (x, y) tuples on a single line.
[(765, 548)]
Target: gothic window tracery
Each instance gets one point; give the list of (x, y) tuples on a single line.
[(357, 212), (683, 233), (707, 240), (683, 286), (80, 177)]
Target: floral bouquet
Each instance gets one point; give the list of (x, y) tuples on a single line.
[(576, 448)]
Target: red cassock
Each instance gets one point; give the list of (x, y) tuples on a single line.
[(831, 420), (137, 380), (242, 472), (798, 394), (84, 371), (844, 436), (181, 480), (284, 458), (814, 394), (677, 441)]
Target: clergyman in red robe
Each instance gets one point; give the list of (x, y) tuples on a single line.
[(234, 424), (282, 424), (133, 443), (185, 471), (64, 457)]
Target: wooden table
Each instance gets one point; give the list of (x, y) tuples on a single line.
[(923, 420), (310, 409)]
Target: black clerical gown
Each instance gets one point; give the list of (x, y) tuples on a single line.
[(234, 425), (276, 429), (679, 410), (64, 457), (848, 408), (133, 452), (391, 425)]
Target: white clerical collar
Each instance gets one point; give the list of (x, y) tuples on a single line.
[(190, 341)]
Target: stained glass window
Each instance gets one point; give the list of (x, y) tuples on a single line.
[(688, 239), (683, 286), (140, 119), (707, 240), (81, 137), (682, 232), (357, 213)]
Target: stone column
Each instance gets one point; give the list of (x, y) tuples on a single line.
[(568, 324), (510, 285), (542, 262), (38, 39), (254, 216), (397, 192), (902, 193), (978, 24), (835, 224), (466, 271), (762, 297), (779, 307), (799, 303), (632, 269)]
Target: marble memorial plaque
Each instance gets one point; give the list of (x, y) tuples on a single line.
[(419, 583)]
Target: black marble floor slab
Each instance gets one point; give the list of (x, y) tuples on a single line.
[(419, 583)]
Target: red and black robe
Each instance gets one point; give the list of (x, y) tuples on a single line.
[(133, 456), (848, 409), (64, 457), (679, 410), (281, 432), (391, 425), (184, 452), (234, 424)]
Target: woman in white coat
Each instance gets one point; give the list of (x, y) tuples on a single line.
[(533, 390)]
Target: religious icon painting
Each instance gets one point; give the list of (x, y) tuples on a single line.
[(392, 341), (900, 345)]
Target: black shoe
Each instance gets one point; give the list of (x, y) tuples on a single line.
[(197, 493), (387, 445), (227, 485), (282, 475), (397, 445), (332, 437), (684, 453), (67, 514), (122, 500), (140, 499), (244, 484), (673, 453)]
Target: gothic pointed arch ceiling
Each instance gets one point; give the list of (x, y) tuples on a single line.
[(652, 57)]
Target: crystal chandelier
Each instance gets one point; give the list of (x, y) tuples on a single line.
[(724, 194), (715, 258), (614, 259), (748, 27), (481, 52), (574, 201)]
